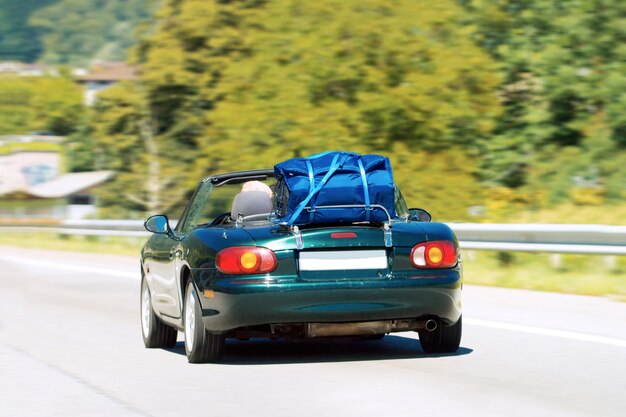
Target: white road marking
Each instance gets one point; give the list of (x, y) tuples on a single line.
[(520, 328), (73, 268), (563, 334)]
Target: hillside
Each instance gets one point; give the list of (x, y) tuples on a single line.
[(69, 32), (18, 40)]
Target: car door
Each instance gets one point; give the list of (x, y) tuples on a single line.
[(169, 253), (163, 263)]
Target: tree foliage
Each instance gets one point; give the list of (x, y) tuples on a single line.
[(52, 104), (152, 167), (244, 84), (526, 97), (359, 75), (18, 40), (174, 98), (77, 31), (563, 129)]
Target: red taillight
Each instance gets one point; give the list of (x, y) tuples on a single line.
[(437, 254), (246, 260)]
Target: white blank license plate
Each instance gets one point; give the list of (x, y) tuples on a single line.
[(339, 260)]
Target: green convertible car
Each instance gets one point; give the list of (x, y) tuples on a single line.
[(217, 275)]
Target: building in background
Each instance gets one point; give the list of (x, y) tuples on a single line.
[(102, 76), (27, 70), (32, 183)]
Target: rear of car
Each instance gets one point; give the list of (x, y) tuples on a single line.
[(332, 281)]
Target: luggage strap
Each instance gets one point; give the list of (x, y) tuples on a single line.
[(366, 191), (311, 187), (331, 170)]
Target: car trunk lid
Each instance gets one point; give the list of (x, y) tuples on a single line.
[(354, 252)]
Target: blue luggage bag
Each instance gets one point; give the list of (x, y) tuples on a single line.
[(308, 188)]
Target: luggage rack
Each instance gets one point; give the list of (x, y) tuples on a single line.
[(386, 225)]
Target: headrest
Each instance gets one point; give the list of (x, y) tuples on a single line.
[(248, 203)]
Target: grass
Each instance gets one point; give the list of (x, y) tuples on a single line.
[(113, 245), (572, 274), (30, 146), (614, 214)]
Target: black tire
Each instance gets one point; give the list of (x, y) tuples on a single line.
[(201, 346), (155, 333), (444, 339)]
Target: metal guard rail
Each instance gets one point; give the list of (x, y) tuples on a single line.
[(553, 238)]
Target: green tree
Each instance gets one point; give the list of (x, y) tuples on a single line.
[(398, 78), (152, 166), (18, 40), (51, 104), (77, 31), (563, 126), (81, 154), (243, 84), (181, 64), (357, 75)]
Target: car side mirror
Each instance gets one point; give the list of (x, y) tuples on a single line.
[(419, 215), (158, 224)]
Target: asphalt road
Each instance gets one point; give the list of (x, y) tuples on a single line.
[(70, 345)]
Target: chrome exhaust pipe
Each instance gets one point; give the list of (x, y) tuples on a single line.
[(431, 325)]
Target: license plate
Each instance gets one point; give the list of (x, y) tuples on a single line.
[(343, 260)]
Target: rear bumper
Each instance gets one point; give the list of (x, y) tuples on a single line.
[(235, 305)]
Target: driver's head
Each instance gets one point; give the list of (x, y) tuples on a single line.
[(256, 186), (254, 198)]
